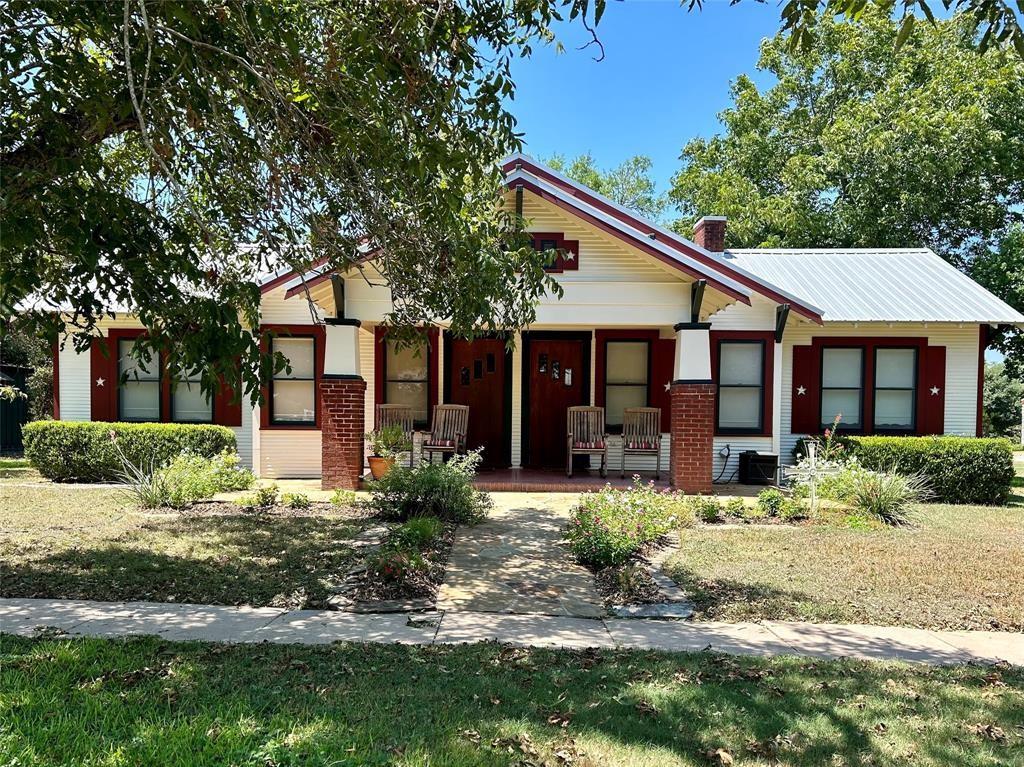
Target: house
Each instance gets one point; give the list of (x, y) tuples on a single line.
[(741, 349)]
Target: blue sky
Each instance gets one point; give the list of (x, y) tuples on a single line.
[(665, 76)]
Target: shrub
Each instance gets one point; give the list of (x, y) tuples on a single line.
[(792, 510), (393, 565), (261, 498), (706, 509), (342, 498), (296, 500), (957, 469), (887, 495), (189, 478), (442, 490), (771, 501), (417, 533), (611, 526), (146, 487), (736, 507), (83, 451)]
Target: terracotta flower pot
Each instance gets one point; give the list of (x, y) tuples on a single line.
[(380, 466)]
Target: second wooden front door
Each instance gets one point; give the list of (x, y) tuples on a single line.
[(477, 375), (557, 377)]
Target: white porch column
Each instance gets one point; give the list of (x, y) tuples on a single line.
[(693, 353), (341, 357), (517, 403)]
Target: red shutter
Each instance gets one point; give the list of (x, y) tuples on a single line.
[(662, 369), (931, 407), (103, 379), (227, 402), (806, 391)]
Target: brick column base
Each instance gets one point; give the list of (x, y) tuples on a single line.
[(342, 428), (693, 432)]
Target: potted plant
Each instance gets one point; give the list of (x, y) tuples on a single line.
[(385, 444)]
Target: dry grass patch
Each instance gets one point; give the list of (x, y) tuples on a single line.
[(960, 567), (77, 542)]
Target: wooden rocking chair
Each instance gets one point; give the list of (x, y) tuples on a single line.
[(641, 435), (448, 435), (398, 415), (586, 436)]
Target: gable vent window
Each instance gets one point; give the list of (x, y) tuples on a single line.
[(138, 396), (293, 391), (842, 386), (895, 384), (740, 386)]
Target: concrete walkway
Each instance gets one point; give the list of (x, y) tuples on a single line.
[(27, 617), (515, 562)]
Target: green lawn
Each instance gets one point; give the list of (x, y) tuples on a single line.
[(89, 543), (960, 567), (151, 702)]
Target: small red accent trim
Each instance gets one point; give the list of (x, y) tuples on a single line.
[(56, 380), (309, 284), (320, 336), (679, 244), (767, 383)]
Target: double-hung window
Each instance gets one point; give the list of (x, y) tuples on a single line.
[(627, 370), (895, 384), (741, 387), (293, 390), (189, 404), (842, 386), (406, 378), (139, 390)]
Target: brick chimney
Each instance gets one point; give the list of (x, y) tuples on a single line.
[(709, 233)]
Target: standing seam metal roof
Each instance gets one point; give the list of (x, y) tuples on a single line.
[(878, 285)]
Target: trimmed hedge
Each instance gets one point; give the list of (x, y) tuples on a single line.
[(82, 451), (958, 469)]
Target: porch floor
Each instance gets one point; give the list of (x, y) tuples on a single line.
[(555, 481)]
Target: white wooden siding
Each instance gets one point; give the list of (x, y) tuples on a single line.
[(275, 310), (961, 342), (290, 453)]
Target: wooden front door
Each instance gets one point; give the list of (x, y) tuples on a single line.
[(557, 377), (476, 374)]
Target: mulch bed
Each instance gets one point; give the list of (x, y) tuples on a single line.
[(628, 584), (421, 586), (230, 509)]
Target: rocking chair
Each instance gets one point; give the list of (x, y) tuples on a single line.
[(641, 435), (448, 435), (586, 436)]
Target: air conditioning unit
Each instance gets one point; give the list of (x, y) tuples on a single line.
[(758, 468)]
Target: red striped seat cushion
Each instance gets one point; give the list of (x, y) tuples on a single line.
[(440, 443), (640, 444), (588, 445)]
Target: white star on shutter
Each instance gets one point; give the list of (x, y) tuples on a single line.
[(800, 390), (935, 391), (100, 381), (570, 256), (668, 385)]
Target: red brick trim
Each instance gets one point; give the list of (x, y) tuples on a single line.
[(693, 430), (341, 410)]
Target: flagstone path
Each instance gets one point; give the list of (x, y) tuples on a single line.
[(515, 562)]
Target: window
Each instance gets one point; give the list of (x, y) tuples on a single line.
[(895, 384), (551, 247), (138, 397), (740, 386), (188, 402), (293, 393), (626, 374), (406, 379), (842, 386)]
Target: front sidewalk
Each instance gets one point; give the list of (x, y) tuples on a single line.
[(28, 617)]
